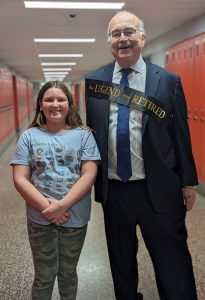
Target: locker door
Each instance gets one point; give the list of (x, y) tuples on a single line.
[(178, 59), (28, 101), (197, 102), (187, 78), (167, 61), (171, 60), (202, 108), (15, 101), (76, 95)]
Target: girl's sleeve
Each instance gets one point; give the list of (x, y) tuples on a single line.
[(89, 147), (21, 153)]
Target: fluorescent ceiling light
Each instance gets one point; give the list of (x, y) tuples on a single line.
[(42, 40), (57, 69), (59, 64), (60, 55), (54, 76), (56, 73), (74, 5), (51, 75)]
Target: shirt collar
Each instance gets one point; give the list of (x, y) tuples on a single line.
[(138, 67)]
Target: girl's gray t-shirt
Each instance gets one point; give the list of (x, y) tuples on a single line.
[(55, 162)]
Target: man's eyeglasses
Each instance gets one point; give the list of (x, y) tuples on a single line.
[(127, 32)]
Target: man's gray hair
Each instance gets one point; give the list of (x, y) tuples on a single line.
[(141, 26)]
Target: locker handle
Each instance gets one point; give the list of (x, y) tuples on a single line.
[(195, 118), (202, 116), (189, 114)]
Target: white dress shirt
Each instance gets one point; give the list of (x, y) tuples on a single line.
[(136, 81)]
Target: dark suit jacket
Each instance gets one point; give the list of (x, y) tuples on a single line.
[(167, 153)]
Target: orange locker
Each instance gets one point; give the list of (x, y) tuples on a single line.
[(201, 93), (6, 106), (30, 99), (76, 95), (15, 102), (188, 60), (186, 72), (83, 95), (22, 100), (196, 133)]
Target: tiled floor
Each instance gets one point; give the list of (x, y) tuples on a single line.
[(95, 283)]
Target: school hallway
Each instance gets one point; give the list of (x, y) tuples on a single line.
[(95, 282)]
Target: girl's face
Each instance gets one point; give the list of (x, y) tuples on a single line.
[(55, 106)]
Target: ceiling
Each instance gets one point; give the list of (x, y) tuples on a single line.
[(20, 25)]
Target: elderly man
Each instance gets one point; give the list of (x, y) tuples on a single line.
[(147, 176)]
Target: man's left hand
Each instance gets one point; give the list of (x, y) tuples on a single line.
[(189, 195)]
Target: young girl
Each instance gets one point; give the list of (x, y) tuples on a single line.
[(54, 168)]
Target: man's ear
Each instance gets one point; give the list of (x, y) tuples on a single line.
[(143, 40)]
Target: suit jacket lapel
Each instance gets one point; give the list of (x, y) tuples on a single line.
[(106, 75), (152, 81)]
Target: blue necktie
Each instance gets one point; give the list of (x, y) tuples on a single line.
[(124, 168)]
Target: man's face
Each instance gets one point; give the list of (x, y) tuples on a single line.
[(125, 40)]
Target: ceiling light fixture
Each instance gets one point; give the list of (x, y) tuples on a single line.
[(59, 64), (55, 73), (73, 5), (54, 78), (56, 69), (48, 40), (60, 55)]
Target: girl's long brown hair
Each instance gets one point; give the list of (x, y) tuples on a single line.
[(72, 119)]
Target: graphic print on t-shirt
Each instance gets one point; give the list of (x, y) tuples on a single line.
[(57, 167)]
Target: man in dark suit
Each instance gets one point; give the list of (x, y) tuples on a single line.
[(155, 186)]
